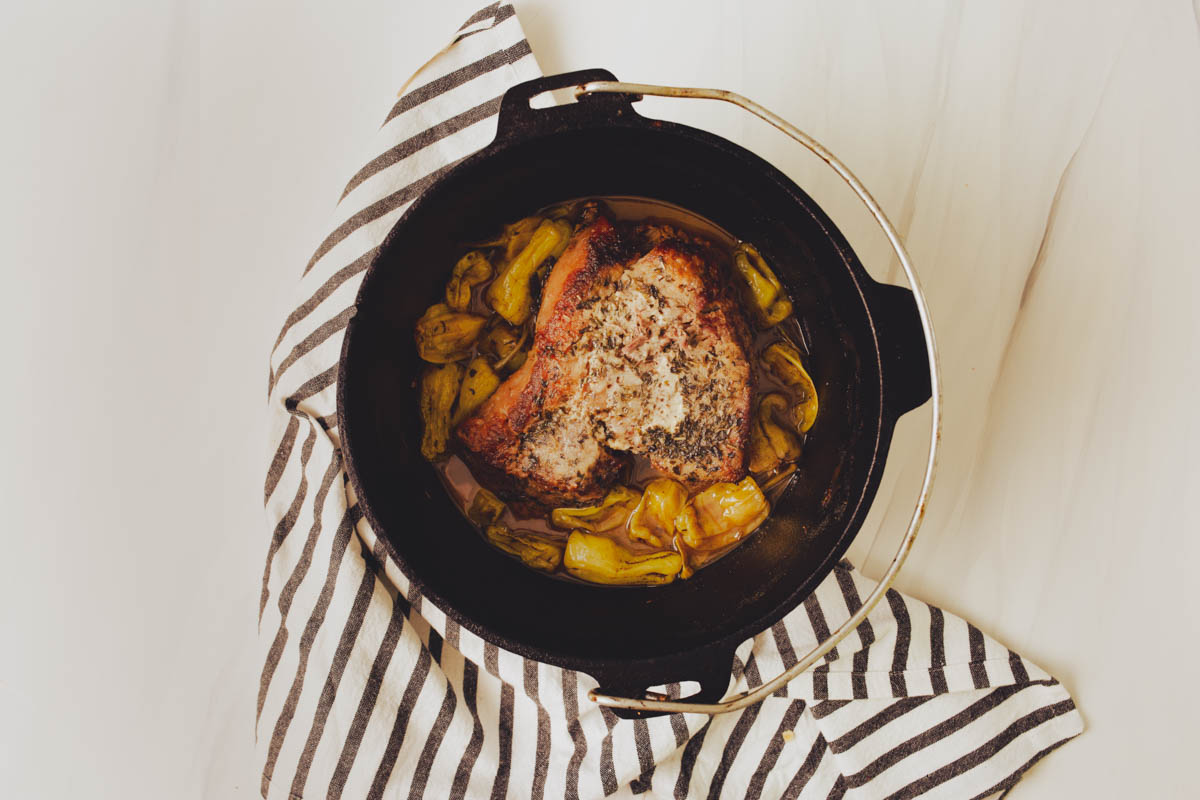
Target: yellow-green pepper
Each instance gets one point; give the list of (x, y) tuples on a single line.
[(503, 342), (580, 212), (565, 211), (691, 560), (485, 508), (444, 335), (653, 520), (477, 385), (514, 237), (771, 303), (470, 271), (439, 387), (722, 514), (612, 512), (783, 361), (511, 294), (533, 550), (771, 444), (599, 559)]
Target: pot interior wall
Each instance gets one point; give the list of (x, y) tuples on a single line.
[(568, 623)]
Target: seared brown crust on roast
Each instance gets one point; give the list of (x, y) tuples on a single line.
[(630, 354), (529, 433)]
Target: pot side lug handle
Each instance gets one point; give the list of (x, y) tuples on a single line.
[(903, 356), (519, 120), (712, 670)]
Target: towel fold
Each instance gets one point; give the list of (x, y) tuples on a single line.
[(369, 691)]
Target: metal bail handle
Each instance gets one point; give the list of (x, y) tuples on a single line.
[(744, 699)]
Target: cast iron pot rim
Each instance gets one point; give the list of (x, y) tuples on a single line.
[(728, 643)]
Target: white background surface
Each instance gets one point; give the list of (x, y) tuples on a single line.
[(169, 167)]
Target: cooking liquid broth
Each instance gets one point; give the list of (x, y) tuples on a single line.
[(461, 483)]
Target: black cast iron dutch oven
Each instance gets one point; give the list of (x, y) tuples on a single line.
[(868, 359)]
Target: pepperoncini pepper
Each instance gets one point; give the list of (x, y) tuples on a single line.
[(514, 237), (691, 560), (599, 559), (783, 361), (511, 294), (470, 271), (503, 342), (477, 386), (444, 335), (722, 514), (439, 387), (533, 550), (612, 512), (771, 304), (581, 212), (653, 520), (485, 508), (771, 444)]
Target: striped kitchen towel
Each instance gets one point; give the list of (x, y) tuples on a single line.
[(367, 690)]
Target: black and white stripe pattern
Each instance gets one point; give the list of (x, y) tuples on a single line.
[(369, 691)]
